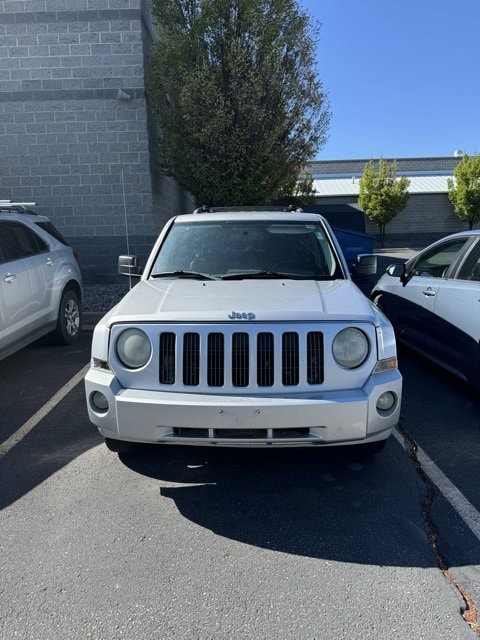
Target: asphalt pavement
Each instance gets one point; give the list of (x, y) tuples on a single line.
[(175, 543)]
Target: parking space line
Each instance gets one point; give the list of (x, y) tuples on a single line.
[(457, 500), (32, 422)]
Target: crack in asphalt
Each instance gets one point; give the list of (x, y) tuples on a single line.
[(470, 612)]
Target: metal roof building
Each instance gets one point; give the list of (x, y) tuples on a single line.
[(428, 215), (349, 186)]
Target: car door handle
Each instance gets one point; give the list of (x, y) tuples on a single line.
[(49, 262), (10, 277), (429, 292)]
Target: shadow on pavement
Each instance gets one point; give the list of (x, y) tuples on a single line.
[(29, 379), (325, 503)]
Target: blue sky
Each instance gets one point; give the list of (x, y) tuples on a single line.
[(403, 78)]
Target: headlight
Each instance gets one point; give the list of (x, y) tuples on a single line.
[(350, 348), (133, 348)]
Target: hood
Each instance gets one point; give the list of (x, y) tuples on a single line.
[(183, 300)]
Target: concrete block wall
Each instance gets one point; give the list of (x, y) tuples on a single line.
[(70, 141)]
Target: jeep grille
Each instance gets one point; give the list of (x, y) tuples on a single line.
[(241, 358)]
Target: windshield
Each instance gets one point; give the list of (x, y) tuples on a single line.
[(244, 249)]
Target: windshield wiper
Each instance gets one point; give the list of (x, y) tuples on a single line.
[(275, 275), (195, 275), (260, 274)]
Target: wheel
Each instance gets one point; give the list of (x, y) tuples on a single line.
[(69, 320), (121, 446)]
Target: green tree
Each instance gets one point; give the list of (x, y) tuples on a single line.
[(234, 88), (298, 191), (382, 195), (464, 190)]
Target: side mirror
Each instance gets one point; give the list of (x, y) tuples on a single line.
[(398, 270), (366, 265), (127, 266)]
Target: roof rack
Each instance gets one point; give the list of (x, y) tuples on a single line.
[(238, 209), (19, 207)]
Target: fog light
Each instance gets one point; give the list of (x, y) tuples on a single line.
[(99, 402), (386, 401)]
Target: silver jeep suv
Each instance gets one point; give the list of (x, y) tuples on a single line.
[(245, 330), (40, 280)]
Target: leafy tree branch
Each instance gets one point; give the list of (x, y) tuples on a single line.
[(235, 91), (464, 190), (382, 195)]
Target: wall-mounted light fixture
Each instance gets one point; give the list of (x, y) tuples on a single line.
[(123, 95)]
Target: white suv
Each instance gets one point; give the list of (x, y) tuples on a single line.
[(244, 330), (40, 281)]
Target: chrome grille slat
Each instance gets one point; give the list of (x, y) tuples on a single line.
[(223, 358)]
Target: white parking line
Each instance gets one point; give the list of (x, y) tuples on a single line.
[(32, 422), (462, 506)]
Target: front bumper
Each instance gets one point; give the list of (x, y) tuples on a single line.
[(332, 418)]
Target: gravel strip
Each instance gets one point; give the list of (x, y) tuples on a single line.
[(101, 298)]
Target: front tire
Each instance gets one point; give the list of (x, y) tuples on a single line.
[(69, 321)]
